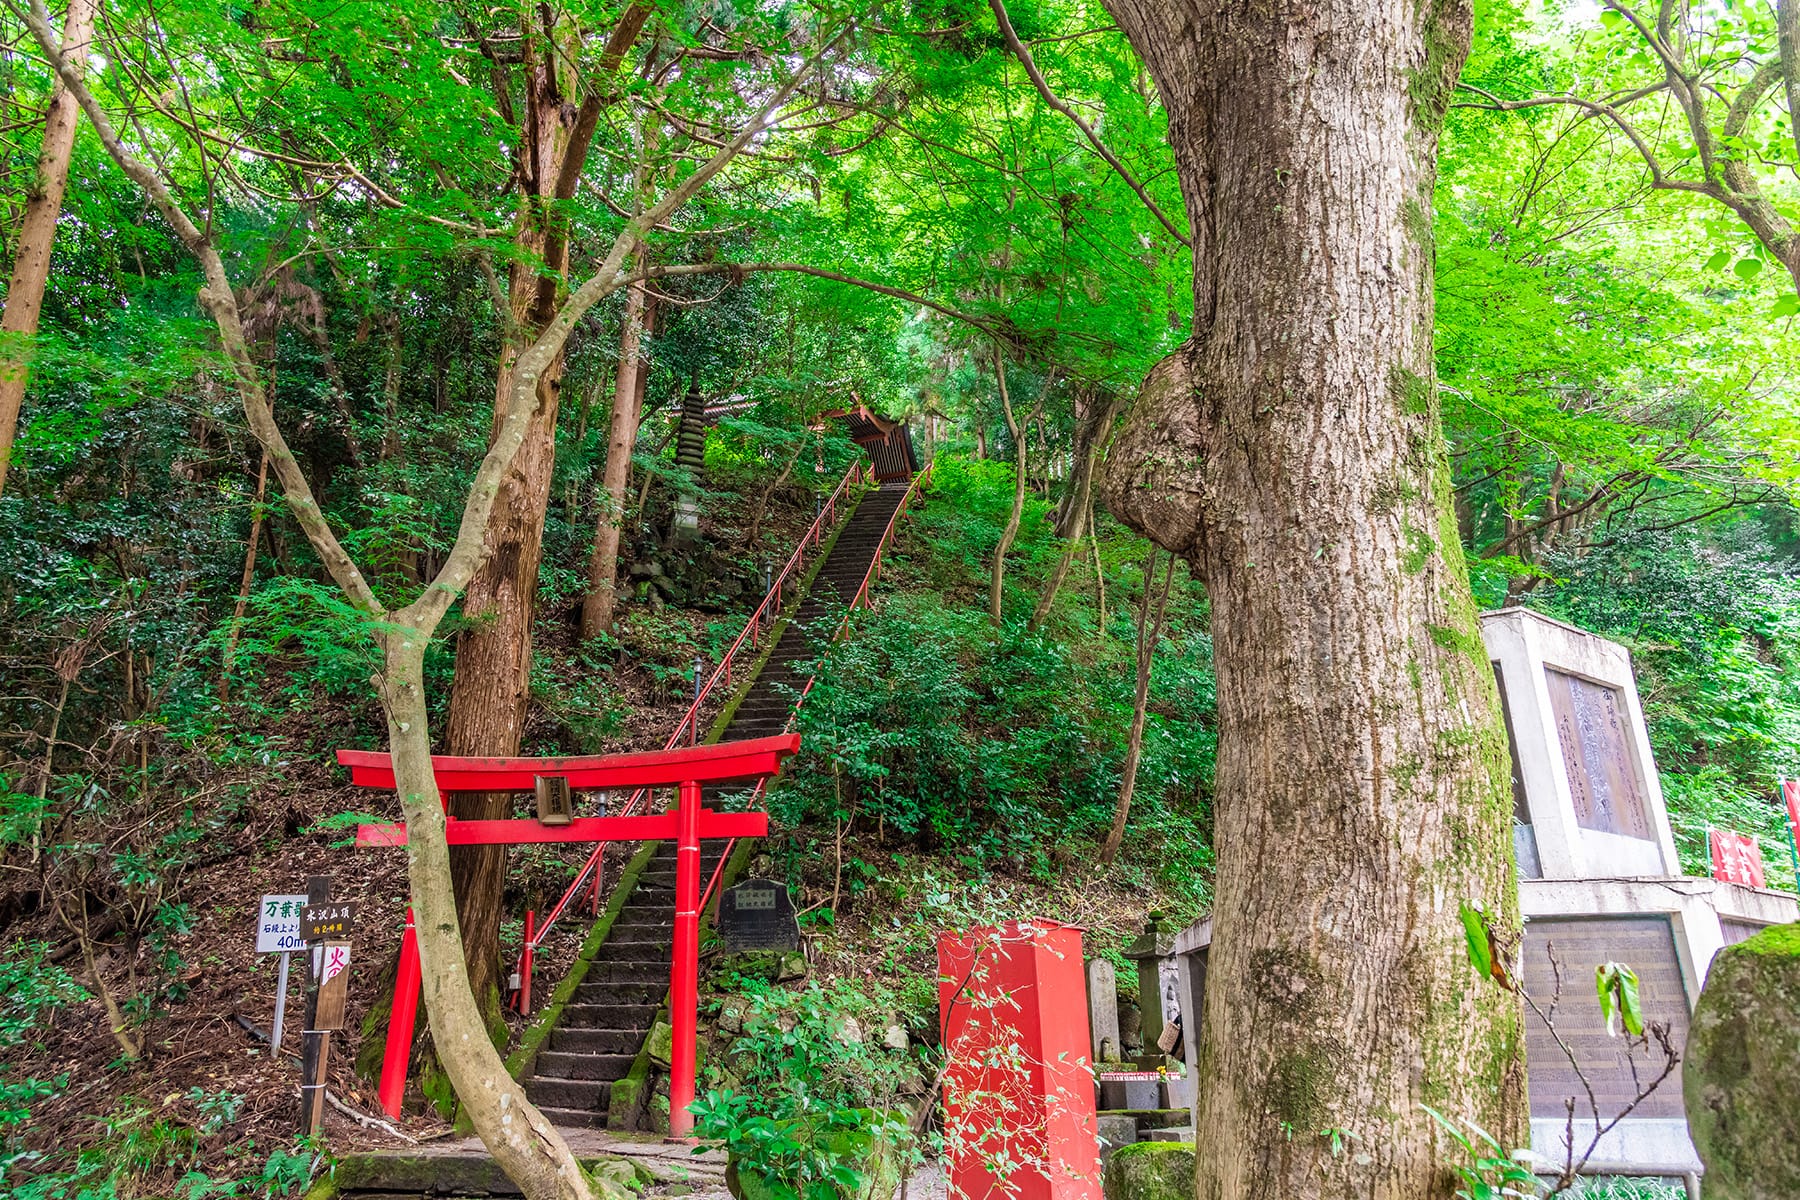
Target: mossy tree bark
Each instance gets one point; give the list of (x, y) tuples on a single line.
[(1291, 451), (601, 602)]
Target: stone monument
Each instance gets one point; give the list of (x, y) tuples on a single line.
[(1103, 1011), (1599, 880)]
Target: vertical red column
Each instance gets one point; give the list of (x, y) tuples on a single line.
[(400, 1022), (684, 973), (1018, 1099)]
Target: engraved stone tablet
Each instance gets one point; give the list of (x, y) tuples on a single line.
[(1604, 780), (758, 915)]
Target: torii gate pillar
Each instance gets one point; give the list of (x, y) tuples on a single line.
[(687, 768)]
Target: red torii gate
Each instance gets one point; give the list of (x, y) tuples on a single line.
[(685, 768)]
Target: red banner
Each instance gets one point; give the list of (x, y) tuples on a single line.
[(1736, 858)]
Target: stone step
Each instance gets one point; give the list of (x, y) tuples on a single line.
[(570, 1067), (624, 972), (621, 995), (610, 1016), (634, 952), (579, 1094), (595, 1041), (573, 1118)]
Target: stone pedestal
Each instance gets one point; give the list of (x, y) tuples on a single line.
[(1158, 981)]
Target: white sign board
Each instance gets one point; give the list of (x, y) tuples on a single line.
[(278, 924), (337, 961)]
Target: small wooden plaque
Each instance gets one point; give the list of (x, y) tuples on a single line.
[(334, 985), (555, 801)]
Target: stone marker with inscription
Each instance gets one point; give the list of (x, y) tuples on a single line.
[(758, 915), (1103, 1010)]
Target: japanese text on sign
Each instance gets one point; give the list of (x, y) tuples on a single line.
[(278, 925), (337, 961), (331, 920)]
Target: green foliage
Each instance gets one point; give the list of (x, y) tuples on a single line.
[(1003, 744), (1617, 986), (813, 1154), (30, 988), (145, 1152), (1487, 1171), (1622, 1188), (794, 1050)]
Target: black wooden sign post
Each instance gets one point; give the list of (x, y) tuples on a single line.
[(327, 927)]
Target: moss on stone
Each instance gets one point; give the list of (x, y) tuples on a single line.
[(1151, 1171), (1743, 1056)]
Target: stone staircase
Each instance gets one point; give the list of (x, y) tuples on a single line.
[(766, 707), (603, 1028)]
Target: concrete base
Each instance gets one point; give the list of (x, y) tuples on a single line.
[(1637, 1149)]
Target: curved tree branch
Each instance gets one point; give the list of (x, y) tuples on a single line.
[(1023, 54)]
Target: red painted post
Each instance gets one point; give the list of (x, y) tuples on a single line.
[(684, 973), (525, 966), (400, 1022)]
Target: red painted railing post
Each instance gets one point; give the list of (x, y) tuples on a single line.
[(684, 974), (525, 966), (400, 1023)]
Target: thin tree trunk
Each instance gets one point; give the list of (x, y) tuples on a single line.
[(37, 232), (997, 579), (1080, 505), (1099, 570), (1292, 452), (131, 1048), (523, 1142), (600, 604), (526, 1147), (1149, 632), (320, 336), (762, 497), (248, 576), (390, 384)]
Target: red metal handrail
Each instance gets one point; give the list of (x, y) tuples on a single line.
[(873, 574), (768, 611)]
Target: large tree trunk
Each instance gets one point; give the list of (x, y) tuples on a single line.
[(492, 688), (601, 601), (1292, 452), (37, 233)]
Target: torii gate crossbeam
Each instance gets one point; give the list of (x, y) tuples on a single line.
[(685, 768)]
